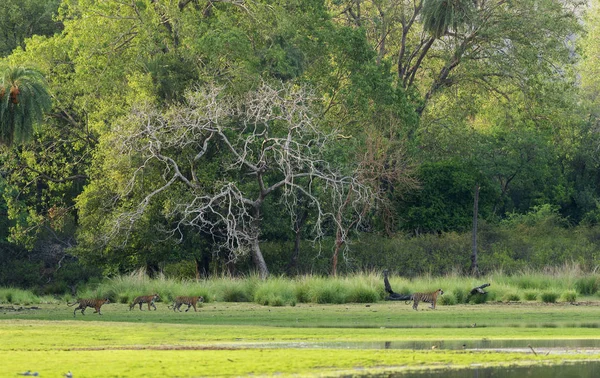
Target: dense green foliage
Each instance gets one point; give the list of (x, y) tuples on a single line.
[(386, 118)]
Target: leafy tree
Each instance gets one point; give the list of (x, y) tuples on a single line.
[(24, 99), (22, 19), (585, 164), (268, 142), (487, 43), (445, 199)]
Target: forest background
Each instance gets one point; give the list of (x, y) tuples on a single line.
[(198, 138)]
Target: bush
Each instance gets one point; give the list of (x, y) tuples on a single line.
[(448, 299), (531, 295), (587, 285), (569, 296), (236, 290), (482, 298), (460, 295), (512, 297), (328, 291), (275, 292), (549, 297), (18, 296), (363, 289)]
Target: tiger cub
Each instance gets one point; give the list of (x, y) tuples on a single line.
[(84, 303), (189, 301), (145, 299), (426, 297)]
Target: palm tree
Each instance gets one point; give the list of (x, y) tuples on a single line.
[(24, 99), (441, 16)]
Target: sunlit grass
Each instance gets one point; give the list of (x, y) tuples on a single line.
[(563, 285), (212, 363), (191, 344)]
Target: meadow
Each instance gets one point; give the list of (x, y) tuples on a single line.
[(303, 337)]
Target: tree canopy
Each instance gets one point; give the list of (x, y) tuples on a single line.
[(171, 134)]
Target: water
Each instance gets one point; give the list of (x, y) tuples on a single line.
[(587, 369), (537, 346), (576, 370)]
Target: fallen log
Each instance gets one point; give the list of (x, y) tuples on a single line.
[(393, 296), (477, 290)]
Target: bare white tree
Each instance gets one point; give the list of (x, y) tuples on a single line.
[(270, 141)]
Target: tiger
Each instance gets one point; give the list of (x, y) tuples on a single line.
[(426, 297), (84, 303), (145, 299), (189, 301)]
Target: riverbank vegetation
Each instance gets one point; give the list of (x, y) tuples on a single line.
[(567, 284)]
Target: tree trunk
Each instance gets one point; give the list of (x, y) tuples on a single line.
[(293, 264), (259, 260), (474, 266), (300, 220), (197, 263), (257, 255), (152, 269), (338, 244)]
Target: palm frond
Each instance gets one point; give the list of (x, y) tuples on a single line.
[(23, 104), (440, 16)]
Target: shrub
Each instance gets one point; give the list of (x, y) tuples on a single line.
[(569, 296), (549, 297), (531, 295), (512, 297), (587, 285), (236, 292), (328, 291), (482, 298), (362, 289), (460, 295), (275, 292), (448, 299)]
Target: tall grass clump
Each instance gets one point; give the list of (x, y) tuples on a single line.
[(569, 296), (276, 292), (511, 297), (20, 296), (549, 297), (228, 289), (531, 295), (326, 290), (125, 288), (363, 288), (588, 285)]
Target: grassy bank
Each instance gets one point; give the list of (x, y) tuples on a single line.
[(533, 315), (567, 284), (233, 339)]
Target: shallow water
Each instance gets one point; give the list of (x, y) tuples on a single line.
[(576, 370), (532, 346)]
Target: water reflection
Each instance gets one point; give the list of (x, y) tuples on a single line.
[(534, 346), (491, 344), (577, 370)]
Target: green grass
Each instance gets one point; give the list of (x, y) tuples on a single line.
[(240, 328), (280, 362), (563, 285), (233, 339), (381, 314)]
